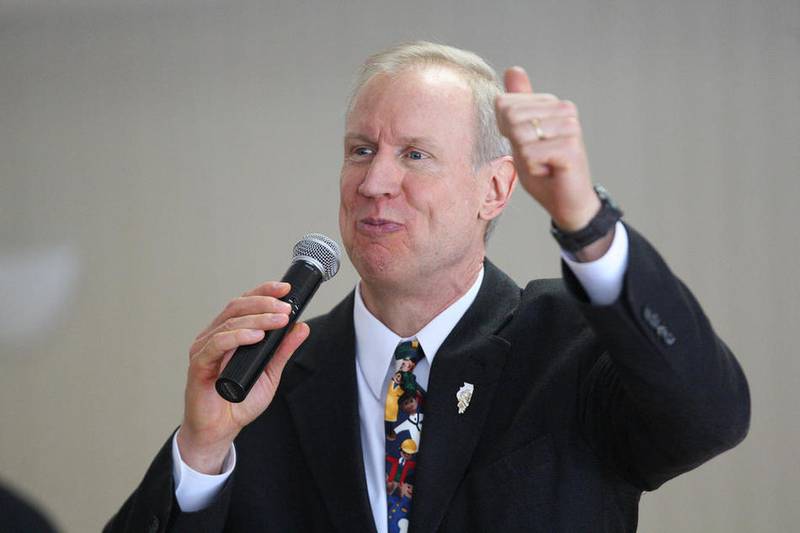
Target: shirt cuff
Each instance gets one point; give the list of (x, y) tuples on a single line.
[(195, 490), (602, 278)]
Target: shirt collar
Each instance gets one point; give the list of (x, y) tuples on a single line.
[(375, 343)]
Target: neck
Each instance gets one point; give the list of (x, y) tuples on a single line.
[(406, 310)]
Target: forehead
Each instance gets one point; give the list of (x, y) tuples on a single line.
[(418, 101)]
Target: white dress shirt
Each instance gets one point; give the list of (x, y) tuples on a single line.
[(375, 344)]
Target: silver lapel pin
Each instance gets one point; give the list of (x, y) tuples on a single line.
[(464, 395)]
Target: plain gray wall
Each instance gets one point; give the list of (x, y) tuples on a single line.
[(159, 158)]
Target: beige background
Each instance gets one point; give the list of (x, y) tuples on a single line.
[(158, 158)]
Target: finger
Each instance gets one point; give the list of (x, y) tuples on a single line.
[(549, 128), (270, 288), (250, 305), (223, 342), (262, 321), (514, 108), (516, 80), (504, 100), (528, 112), (246, 305), (558, 153), (296, 336), (532, 167)]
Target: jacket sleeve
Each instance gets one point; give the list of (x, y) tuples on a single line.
[(153, 508), (666, 394)]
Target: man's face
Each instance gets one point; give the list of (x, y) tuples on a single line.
[(409, 406), (409, 196), (407, 365)]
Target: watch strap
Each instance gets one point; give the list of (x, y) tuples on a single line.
[(598, 227)]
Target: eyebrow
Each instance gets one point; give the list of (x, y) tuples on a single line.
[(406, 141), (358, 137)]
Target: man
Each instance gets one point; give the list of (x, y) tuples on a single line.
[(543, 410)]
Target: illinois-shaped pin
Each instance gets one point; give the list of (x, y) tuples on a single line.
[(464, 396)]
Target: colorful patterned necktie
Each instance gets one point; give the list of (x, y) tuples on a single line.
[(403, 420)]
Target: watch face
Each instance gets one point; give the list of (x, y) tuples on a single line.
[(602, 193)]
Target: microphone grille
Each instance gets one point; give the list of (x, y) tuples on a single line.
[(319, 250)]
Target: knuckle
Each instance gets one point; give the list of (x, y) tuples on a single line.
[(513, 133), (518, 119), (531, 165), (570, 106), (218, 342), (269, 321), (505, 117), (574, 125), (229, 308), (507, 108)]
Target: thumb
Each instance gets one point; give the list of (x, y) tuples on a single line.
[(516, 81)]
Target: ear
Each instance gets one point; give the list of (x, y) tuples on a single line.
[(499, 181)]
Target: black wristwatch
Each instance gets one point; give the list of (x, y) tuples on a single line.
[(597, 228)]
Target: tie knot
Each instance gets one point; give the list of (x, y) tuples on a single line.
[(409, 350)]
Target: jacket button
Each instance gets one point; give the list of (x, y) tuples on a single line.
[(651, 317), (669, 338)]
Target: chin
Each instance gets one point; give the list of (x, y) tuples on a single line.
[(379, 260), (373, 265), (378, 265)]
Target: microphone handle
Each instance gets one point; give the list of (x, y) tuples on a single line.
[(248, 362)]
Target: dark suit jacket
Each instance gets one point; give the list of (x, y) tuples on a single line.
[(577, 409)]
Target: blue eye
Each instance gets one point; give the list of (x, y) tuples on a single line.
[(416, 155)]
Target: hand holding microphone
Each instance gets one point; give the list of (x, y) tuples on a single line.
[(251, 339)]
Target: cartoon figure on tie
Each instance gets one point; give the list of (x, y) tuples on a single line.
[(409, 403), (392, 397), (400, 483), (407, 365), (403, 383), (413, 424)]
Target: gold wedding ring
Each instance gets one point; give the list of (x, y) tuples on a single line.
[(537, 126)]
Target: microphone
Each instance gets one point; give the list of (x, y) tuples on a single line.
[(315, 258)]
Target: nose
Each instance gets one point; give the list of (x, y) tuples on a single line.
[(383, 177)]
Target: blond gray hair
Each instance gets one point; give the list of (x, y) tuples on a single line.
[(481, 78)]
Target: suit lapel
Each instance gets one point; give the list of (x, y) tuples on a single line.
[(323, 401), (472, 353), (324, 406)]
